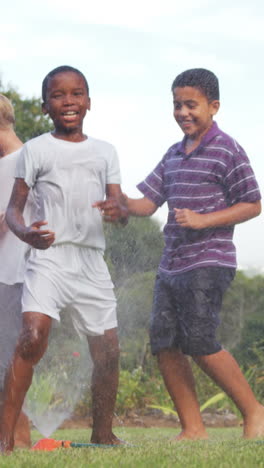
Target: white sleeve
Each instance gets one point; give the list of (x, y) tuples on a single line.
[(26, 167), (113, 169)]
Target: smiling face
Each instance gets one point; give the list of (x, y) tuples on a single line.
[(67, 102), (193, 112)]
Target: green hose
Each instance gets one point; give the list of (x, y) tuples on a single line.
[(83, 445)]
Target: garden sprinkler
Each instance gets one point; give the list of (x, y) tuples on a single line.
[(52, 444)]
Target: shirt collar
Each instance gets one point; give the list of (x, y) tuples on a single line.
[(210, 134)]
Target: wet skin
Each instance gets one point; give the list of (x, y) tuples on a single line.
[(194, 113), (67, 102)]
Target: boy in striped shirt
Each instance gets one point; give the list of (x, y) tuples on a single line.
[(209, 186)]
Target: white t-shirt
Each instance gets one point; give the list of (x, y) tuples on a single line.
[(66, 179), (12, 249)]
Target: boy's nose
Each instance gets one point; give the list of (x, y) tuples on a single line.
[(68, 100), (183, 111)]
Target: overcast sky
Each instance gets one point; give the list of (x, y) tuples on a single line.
[(130, 53)]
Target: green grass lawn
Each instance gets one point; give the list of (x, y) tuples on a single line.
[(151, 448)]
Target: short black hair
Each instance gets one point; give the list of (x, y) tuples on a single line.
[(61, 69), (205, 80)]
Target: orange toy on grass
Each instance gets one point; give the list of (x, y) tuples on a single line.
[(52, 444)]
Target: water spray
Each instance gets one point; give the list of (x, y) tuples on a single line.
[(49, 445), (60, 379)]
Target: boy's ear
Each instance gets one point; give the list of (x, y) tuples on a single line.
[(44, 109), (215, 105), (89, 103)]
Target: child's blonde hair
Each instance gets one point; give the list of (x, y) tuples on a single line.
[(7, 114)]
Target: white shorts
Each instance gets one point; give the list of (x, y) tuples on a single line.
[(10, 324), (72, 277)]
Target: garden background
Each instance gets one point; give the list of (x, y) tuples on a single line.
[(132, 255)]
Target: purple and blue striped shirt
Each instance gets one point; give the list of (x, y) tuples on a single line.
[(216, 175)]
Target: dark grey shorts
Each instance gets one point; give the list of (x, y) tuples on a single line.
[(186, 310), (10, 324)]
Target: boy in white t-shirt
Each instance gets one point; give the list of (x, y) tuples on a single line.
[(67, 172), (12, 254)]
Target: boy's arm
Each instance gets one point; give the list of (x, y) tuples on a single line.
[(114, 207), (3, 225), (118, 206), (232, 215), (32, 235), (140, 206)]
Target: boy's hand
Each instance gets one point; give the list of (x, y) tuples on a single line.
[(189, 219), (38, 238), (113, 209), (3, 225)]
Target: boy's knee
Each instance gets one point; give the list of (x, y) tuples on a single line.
[(113, 355), (202, 359), (32, 343), (201, 347), (112, 350), (107, 360), (110, 358)]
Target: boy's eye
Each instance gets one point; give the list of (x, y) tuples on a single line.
[(177, 105), (191, 104), (57, 96)]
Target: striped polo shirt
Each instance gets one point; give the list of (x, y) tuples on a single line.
[(216, 175)]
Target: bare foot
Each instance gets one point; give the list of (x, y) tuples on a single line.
[(22, 444), (22, 432), (107, 440), (254, 424), (188, 435), (6, 446)]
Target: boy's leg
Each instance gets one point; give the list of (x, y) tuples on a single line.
[(224, 370), (177, 374), (173, 364), (10, 326), (22, 432), (31, 346), (105, 355)]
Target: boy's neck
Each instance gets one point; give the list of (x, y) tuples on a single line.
[(192, 143), (9, 142), (72, 136)]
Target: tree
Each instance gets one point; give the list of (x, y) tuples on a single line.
[(133, 254), (134, 248), (134, 304), (30, 121), (251, 341), (243, 303), (233, 312)]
